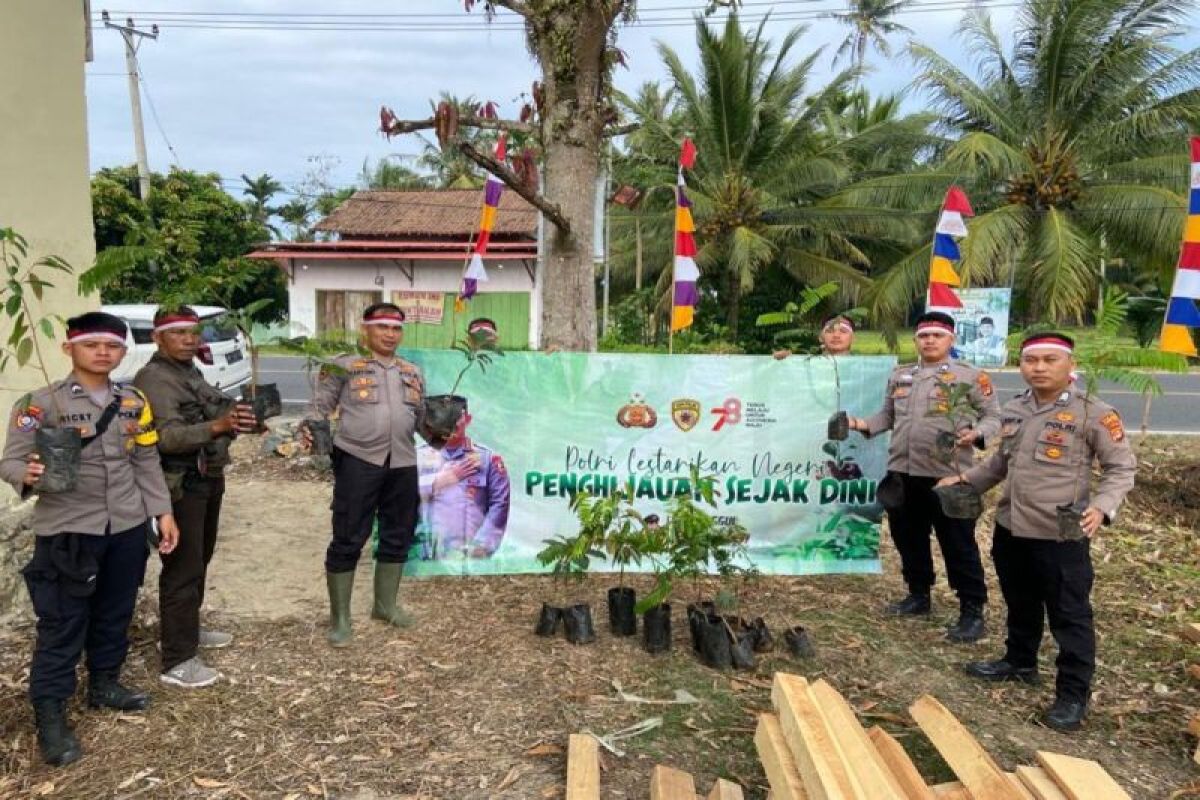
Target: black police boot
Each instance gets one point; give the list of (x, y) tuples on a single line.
[(105, 691), (970, 626), (55, 739), (915, 604), (1065, 715), (1001, 670)]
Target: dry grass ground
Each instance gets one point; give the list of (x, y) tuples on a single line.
[(472, 705)]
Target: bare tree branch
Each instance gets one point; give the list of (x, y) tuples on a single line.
[(622, 130), (515, 6), (512, 181), (400, 126)]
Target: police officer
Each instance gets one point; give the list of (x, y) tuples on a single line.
[(465, 495), (90, 553), (1050, 437), (913, 469), (196, 424), (380, 400), (837, 337)]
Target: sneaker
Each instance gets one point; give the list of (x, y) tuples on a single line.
[(214, 640), (191, 674)]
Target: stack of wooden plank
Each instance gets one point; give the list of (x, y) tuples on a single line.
[(813, 748)]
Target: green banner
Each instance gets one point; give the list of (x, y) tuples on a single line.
[(544, 426)]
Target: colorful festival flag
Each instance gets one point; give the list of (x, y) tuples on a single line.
[(686, 296), (950, 227), (1182, 311), (492, 189)]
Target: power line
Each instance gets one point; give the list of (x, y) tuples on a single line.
[(382, 23), (157, 122)]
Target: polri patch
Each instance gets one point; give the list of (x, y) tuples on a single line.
[(28, 420), (985, 384), (1053, 452), (1065, 416), (1112, 423)]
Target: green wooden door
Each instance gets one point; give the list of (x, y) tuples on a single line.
[(509, 310)]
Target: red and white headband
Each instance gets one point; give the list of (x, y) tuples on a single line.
[(174, 322), (934, 326), (1048, 343), (91, 336), (385, 318), (839, 323)]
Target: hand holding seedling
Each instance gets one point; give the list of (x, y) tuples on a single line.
[(967, 437), (33, 469), (1090, 521)]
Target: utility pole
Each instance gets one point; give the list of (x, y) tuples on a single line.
[(133, 39)]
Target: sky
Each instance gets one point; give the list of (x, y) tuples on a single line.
[(247, 98)]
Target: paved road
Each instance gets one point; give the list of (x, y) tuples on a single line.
[(1176, 411)]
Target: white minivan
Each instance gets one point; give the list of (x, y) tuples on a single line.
[(224, 358)]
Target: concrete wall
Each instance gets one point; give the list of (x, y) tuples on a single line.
[(306, 277), (44, 185)]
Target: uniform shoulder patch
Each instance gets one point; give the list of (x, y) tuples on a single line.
[(985, 384), (1112, 423), (498, 464), (27, 419)]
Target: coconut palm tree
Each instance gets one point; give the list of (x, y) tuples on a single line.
[(389, 173), (870, 23), (1072, 145), (260, 190), (766, 169)]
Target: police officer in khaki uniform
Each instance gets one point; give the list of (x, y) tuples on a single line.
[(913, 469), (1050, 437), (90, 554), (380, 399), (196, 425)]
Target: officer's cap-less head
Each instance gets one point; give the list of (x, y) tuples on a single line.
[(935, 322), (986, 321), (96, 325), (383, 314), (1052, 340), (481, 324), (168, 318)]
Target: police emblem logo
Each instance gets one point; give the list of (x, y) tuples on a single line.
[(1112, 423), (1064, 416), (364, 394), (685, 414), (27, 422), (985, 384), (946, 377), (1055, 437), (1053, 452), (637, 413)]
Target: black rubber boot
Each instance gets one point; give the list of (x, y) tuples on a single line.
[(1065, 715), (55, 738), (970, 626), (105, 691), (914, 604), (1001, 670)]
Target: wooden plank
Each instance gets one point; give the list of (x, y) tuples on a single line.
[(671, 784), (724, 790), (817, 757), (1191, 632), (583, 768), (900, 765), (977, 770), (954, 790), (777, 761), (867, 770), (1079, 778), (1040, 784)]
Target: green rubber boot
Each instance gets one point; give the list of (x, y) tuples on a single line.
[(387, 584), (341, 587)]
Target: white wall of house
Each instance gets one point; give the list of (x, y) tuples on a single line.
[(306, 277)]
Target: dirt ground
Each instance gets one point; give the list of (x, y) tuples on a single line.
[(470, 704)]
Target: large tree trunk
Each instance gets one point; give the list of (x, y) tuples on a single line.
[(568, 280), (734, 300), (574, 117)]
